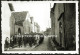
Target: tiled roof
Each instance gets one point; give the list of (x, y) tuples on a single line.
[(19, 17)]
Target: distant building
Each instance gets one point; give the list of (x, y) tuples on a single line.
[(32, 24), (36, 27), (48, 31), (63, 24), (56, 11)]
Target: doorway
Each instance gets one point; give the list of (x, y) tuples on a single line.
[(19, 30)]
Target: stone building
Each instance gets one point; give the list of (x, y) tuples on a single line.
[(63, 24), (36, 27), (70, 25), (32, 24), (27, 24), (48, 31), (20, 23)]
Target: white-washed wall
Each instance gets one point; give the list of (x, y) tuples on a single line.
[(5, 22)]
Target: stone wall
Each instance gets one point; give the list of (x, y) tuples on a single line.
[(70, 22), (27, 27), (12, 24), (17, 27), (58, 10)]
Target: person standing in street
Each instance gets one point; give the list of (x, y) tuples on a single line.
[(24, 40), (7, 43), (11, 41), (19, 40)]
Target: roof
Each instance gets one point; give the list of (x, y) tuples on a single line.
[(19, 17), (52, 9)]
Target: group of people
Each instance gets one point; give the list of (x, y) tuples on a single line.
[(24, 40), (29, 39)]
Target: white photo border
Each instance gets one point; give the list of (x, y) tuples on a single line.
[(51, 52)]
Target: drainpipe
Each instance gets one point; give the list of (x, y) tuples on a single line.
[(64, 26)]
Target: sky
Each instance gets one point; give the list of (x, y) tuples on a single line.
[(39, 10)]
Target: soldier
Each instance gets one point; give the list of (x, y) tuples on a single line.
[(24, 40), (27, 39), (30, 40), (19, 40), (11, 41), (15, 39), (38, 40), (35, 39)]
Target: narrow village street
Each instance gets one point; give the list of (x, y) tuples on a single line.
[(44, 46)]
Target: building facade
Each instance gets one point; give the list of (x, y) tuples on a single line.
[(70, 25), (20, 23), (36, 28), (56, 12), (63, 24)]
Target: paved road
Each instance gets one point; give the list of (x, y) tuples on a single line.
[(45, 46)]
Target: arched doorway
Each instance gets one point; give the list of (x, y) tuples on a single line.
[(19, 30)]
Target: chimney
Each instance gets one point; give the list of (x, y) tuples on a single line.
[(11, 6)]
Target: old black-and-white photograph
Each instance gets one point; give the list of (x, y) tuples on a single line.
[(39, 26)]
